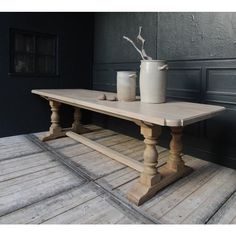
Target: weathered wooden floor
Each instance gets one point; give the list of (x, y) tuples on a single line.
[(65, 182)]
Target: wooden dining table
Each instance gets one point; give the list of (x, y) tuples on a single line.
[(149, 117)]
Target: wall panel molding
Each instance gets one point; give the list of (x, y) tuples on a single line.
[(221, 84)]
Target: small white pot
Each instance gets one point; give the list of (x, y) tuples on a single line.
[(153, 76), (126, 85)]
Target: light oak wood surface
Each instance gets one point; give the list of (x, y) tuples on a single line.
[(165, 114)]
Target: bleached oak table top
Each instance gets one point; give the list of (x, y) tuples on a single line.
[(165, 114)]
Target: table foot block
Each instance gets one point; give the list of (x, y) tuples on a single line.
[(141, 193), (62, 134), (81, 130), (49, 136)]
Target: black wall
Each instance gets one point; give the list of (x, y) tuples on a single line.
[(201, 51), (21, 111)]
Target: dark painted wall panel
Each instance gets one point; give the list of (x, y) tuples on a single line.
[(184, 83), (110, 47), (184, 79), (21, 111), (206, 35), (221, 81)]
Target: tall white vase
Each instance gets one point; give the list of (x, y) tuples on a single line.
[(153, 76)]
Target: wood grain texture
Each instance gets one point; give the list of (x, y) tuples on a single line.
[(107, 151), (49, 208), (226, 214), (90, 213), (37, 189), (57, 143), (13, 168), (16, 146), (165, 114), (23, 182), (201, 202)]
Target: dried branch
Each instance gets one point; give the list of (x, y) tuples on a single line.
[(140, 38), (129, 40), (142, 51)]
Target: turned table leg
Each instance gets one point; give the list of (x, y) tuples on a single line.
[(152, 179), (144, 189), (175, 161), (55, 130), (77, 126)]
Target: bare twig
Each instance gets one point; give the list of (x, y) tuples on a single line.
[(140, 38), (142, 51), (129, 40)]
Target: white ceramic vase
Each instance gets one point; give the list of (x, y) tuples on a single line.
[(126, 85), (152, 82)]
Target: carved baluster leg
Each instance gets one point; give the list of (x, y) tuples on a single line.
[(144, 189), (175, 161), (77, 126), (55, 130)]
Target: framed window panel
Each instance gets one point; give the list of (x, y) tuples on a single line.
[(33, 54)]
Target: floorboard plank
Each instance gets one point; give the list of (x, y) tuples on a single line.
[(95, 135), (200, 204), (24, 165), (75, 150), (233, 221), (16, 146), (209, 206), (90, 213), (28, 187), (51, 207), (227, 212)]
